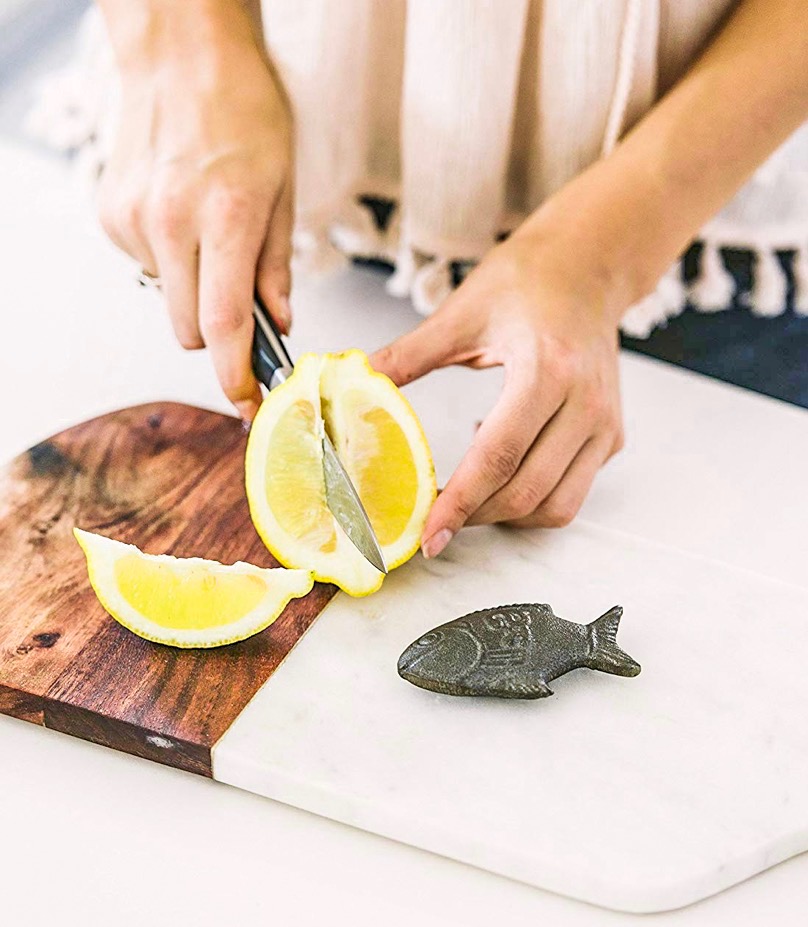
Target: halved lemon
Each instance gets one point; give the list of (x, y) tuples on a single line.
[(379, 441), (186, 602)]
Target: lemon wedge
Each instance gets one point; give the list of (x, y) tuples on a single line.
[(186, 602), (380, 443)]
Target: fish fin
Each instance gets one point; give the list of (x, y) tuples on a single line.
[(543, 689), (604, 654), (536, 689)]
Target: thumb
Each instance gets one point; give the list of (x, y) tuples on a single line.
[(427, 347)]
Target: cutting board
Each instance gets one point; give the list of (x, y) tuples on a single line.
[(170, 479), (637, 794)]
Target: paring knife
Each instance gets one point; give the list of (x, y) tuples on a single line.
[(272, 366)]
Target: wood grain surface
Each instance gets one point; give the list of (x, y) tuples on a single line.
[(170, 479)]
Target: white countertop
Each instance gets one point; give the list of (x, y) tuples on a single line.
[(91, 836)]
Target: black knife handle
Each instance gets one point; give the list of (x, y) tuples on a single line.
[(270, 359)]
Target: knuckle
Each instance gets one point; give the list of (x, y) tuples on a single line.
[(559, 512), (562, 363), (501, 462), (392, 362), (231, 205), (514, 511), (168, 218), (524, 499), (222, 321), (593, 403), (464, 507), (387, 359)]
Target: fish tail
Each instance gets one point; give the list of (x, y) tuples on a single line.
[(604, 654)]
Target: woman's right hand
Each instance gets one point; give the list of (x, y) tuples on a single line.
[(199, 189)]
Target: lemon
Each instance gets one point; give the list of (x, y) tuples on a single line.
[(186, 602), (382, 446)]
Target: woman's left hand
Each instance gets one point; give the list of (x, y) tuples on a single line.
[(546, 303), (537, 307)]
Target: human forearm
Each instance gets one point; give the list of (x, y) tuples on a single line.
[(198, 189), (637, 209), (146, 32)]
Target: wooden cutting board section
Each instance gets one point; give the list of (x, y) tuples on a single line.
[(170, 479)]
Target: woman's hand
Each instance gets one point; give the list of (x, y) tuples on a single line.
[(199, 188), (545, 304), (540, 308)]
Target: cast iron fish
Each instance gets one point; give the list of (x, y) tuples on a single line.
[(513, 652)]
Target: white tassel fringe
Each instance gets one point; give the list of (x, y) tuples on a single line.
[(432, 284), (715, 287), (800, 270), (768, 284), (666, 302)]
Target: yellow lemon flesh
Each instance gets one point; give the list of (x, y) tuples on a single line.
[(186, 602), (379, 441)]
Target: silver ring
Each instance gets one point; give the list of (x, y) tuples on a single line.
[(144, 278)]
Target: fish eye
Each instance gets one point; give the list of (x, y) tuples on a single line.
[(429, 639)]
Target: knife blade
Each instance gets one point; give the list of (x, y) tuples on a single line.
[(273, 365)]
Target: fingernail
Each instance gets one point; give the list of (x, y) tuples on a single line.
[(434, 545), (285, 313)]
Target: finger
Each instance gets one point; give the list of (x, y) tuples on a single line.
[(496, 453), (122, 219), (227, 261), (177, 253), (433, 344), (136, 245), (273, 275), (563, 503), (179, 279), (541, 470)]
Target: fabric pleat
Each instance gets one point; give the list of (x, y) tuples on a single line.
[(462, 117)]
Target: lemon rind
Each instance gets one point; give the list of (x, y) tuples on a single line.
[(414, 423), (363, 582), (364, 579), (255, 621)]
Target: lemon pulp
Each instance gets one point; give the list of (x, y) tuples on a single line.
[(186, 602), (295, 490), (377, 457), (379, 441), (197, 599)]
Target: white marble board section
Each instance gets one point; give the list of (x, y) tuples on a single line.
[(640, 794)]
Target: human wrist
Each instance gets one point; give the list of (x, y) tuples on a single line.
[(586, 262), (146, 34), (615, 221)]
